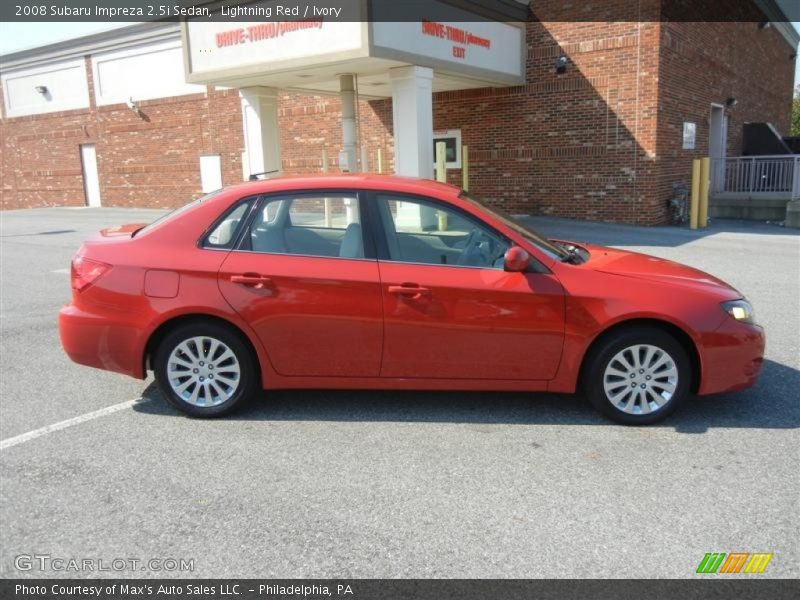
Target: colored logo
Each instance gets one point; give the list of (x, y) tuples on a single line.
[(736, 562)]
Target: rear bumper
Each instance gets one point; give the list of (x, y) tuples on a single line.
[(731, 357), (101, 341)]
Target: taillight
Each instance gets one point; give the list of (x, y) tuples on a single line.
[(85, 272)]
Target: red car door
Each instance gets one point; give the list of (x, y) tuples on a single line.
[(303, 281), (451, 311)]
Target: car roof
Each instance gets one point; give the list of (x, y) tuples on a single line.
[(370, 181)]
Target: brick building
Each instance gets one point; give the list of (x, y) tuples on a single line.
[(602, 120)]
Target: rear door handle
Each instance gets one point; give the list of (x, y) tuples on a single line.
[(407, 290), (256, 281)]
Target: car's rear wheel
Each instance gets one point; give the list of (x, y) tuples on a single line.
[(205, 369), (637, 376)]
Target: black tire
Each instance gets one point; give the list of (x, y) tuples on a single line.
[(609, 348), (248, 383)]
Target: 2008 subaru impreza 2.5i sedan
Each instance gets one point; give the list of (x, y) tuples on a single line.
[(380, 282)]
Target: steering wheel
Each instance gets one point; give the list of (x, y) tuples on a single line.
[(473, 254)]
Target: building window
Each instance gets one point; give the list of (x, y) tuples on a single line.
[(452, 140)]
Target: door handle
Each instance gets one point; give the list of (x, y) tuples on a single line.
[(412, 291), (256, 281)]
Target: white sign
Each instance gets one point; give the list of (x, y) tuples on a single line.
[(216, 46), (489, 46), (689, 135), (210, 172), (299, 53)]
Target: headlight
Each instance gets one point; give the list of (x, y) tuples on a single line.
[(741, 310)]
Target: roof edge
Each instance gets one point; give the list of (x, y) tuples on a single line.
[(112, 39), (780, 20)]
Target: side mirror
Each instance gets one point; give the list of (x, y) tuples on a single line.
[(517, 260)]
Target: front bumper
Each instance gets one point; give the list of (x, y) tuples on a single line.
[(731, 357)]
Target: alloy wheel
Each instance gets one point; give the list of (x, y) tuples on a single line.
[(640, 379), (203, 371)]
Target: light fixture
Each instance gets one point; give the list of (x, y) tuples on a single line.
[(561, 64), (132, 105), (42, 89), (764, 25), (793, 55), (731, 102)]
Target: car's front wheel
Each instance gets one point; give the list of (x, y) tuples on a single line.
[(637, 376), (205, 369)]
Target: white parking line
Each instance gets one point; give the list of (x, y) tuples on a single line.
[(37, 433)]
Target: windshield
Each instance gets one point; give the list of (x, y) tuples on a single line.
[(174, 213), (520, 227)]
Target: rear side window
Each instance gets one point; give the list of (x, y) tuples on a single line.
[(325, 225), (225, 233), (324, 213)]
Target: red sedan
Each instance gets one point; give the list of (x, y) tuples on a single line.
[(368, 281)]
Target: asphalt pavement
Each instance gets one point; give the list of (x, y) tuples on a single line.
[(392, 484)]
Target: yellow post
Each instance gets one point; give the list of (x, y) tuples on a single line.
[(441, 171), (465, 168), (695, 202), (441, 175), (380, 160), (328, 216), (705, 169)]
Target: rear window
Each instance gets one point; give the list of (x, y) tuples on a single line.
[(178, 211)]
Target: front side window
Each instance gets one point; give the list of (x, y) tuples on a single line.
[(521, 227), (424, 232), (309, 225)]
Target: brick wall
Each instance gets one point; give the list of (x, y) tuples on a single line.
[(148, 159), (579, 144), (152, 159), (705, 63), (601, 141), (310, 123), (39, 160)]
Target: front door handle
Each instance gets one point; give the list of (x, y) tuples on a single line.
[(409, 290), (255, 281)]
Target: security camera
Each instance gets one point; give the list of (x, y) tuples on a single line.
[(561, 64), (132, 105), (42, 89)]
